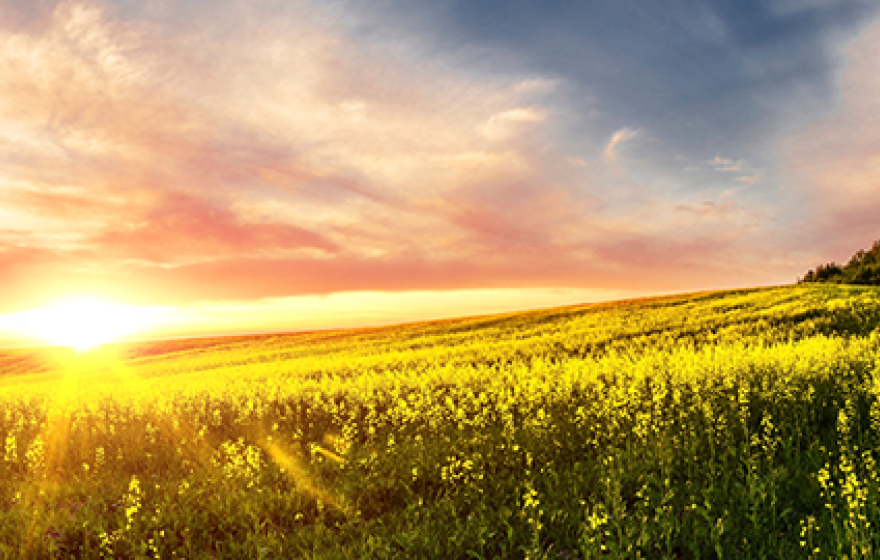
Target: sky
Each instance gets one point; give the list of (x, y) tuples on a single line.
[(267, 164)]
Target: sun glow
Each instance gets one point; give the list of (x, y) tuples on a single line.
[(84, 322)]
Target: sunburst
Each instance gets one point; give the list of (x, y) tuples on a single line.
[(86, 321)]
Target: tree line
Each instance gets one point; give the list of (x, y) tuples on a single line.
[(863, 268)]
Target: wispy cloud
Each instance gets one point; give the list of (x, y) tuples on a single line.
[(740, 169), (247, 154), (508, 124), (724, 164), (619, 137), (757, 177), (784, 8), (834, 163)]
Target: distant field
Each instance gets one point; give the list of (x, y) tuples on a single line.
[(738, 424)]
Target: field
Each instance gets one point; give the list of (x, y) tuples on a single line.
[(741, 424)]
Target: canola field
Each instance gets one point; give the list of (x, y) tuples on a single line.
[(740, 424)]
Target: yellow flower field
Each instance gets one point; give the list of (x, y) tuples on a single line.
[(740, 424)]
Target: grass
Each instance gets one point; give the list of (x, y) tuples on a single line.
[(739, 424)]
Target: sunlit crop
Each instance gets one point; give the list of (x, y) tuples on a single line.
[(717, 425)]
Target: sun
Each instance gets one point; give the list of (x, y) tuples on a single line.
[(84, 322)]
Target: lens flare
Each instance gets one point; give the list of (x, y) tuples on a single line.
[(84, 322)]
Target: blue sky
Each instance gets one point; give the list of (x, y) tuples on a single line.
[(705, 78), (183, 153)]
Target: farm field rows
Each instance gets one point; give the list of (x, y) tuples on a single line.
[(739, 424)]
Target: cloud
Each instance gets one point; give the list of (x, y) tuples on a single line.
[(619, 137), (177, 227), (726, 212), (509, 123), (745, 172), (757, 177), (785, 8), (251, 154), (834, 163), (536, 86), (127, 145), (724, 164), (636, 262)]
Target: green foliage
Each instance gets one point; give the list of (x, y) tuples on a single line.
[(862, 268), (736, 424)]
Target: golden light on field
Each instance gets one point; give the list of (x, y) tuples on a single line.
[(85, 321)]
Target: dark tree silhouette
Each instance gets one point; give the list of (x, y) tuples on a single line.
[(863, 268)]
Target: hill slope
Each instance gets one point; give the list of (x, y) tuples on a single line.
[(694, 320), (714, 424)]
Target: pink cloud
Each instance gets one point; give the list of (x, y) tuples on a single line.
[(637, 264), (178, 226)]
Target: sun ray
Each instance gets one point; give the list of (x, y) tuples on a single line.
[(305, 483)]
